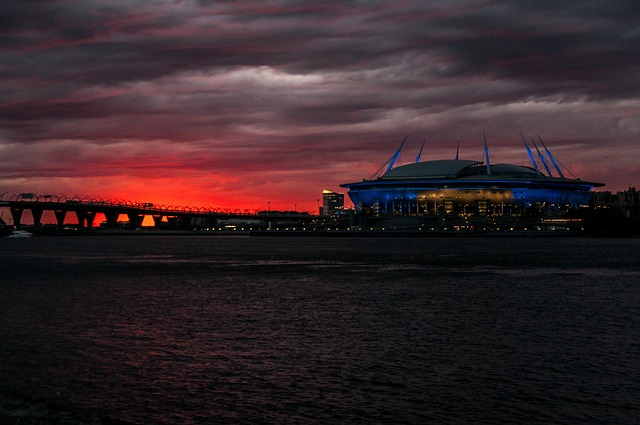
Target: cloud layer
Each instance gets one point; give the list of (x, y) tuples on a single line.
[(236, 104)]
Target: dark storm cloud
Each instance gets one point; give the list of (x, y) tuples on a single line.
[(304, 86), (537, 41), (593, 46)]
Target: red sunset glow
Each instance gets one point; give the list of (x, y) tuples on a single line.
[(241, 104)]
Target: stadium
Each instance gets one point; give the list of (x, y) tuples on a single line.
[(471, 194)]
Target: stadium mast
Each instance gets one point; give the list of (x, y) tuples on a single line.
[(420, 153), (553, 160), (533, 161), (486, 153), (390, 161), (395, 156), (542, 158)]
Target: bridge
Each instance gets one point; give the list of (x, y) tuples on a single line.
[(172, 217)]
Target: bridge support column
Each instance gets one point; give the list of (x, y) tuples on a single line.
[(16, 214), (82, 215), (186, 220), (37, 218), (157, 221), (135, 220), (172, 222), (89, 218), (112, 219), (60, 215), (201, 222)]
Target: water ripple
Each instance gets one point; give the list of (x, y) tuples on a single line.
[(196, 331)]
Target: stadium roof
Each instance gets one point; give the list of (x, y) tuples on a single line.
[(455, 169), (443, 168)]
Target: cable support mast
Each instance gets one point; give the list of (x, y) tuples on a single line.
[(395, 156), (551, 157), (486, 153), (420, 153), (542, 158), (390, 161), (533, 161)]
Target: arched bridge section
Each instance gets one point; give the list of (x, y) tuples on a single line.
[(175, 217)]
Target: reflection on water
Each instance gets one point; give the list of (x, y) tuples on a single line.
[(240, 330)]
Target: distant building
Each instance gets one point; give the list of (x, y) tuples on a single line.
[(332, 203), (626, 202)]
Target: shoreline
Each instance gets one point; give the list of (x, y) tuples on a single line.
[(339, 233)]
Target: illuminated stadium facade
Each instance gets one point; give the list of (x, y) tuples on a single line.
[(471, 194)]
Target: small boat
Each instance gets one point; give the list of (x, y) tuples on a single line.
[(23, 234)]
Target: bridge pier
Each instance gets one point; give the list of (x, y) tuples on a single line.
[(186, 220), (16, 215), (201, 222), (60, 215), (90, 218), (85, 219), (157, 221), (112, 219), (180, 221), (172, 220), (82, 215), (135, 220), (37, 218)]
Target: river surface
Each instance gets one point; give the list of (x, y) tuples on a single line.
[(207, 330)]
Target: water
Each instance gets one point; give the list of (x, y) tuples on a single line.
[(195, 330)]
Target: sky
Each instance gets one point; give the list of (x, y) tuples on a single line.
[(237, 104)]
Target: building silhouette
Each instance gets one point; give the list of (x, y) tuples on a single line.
[(332, 203)]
